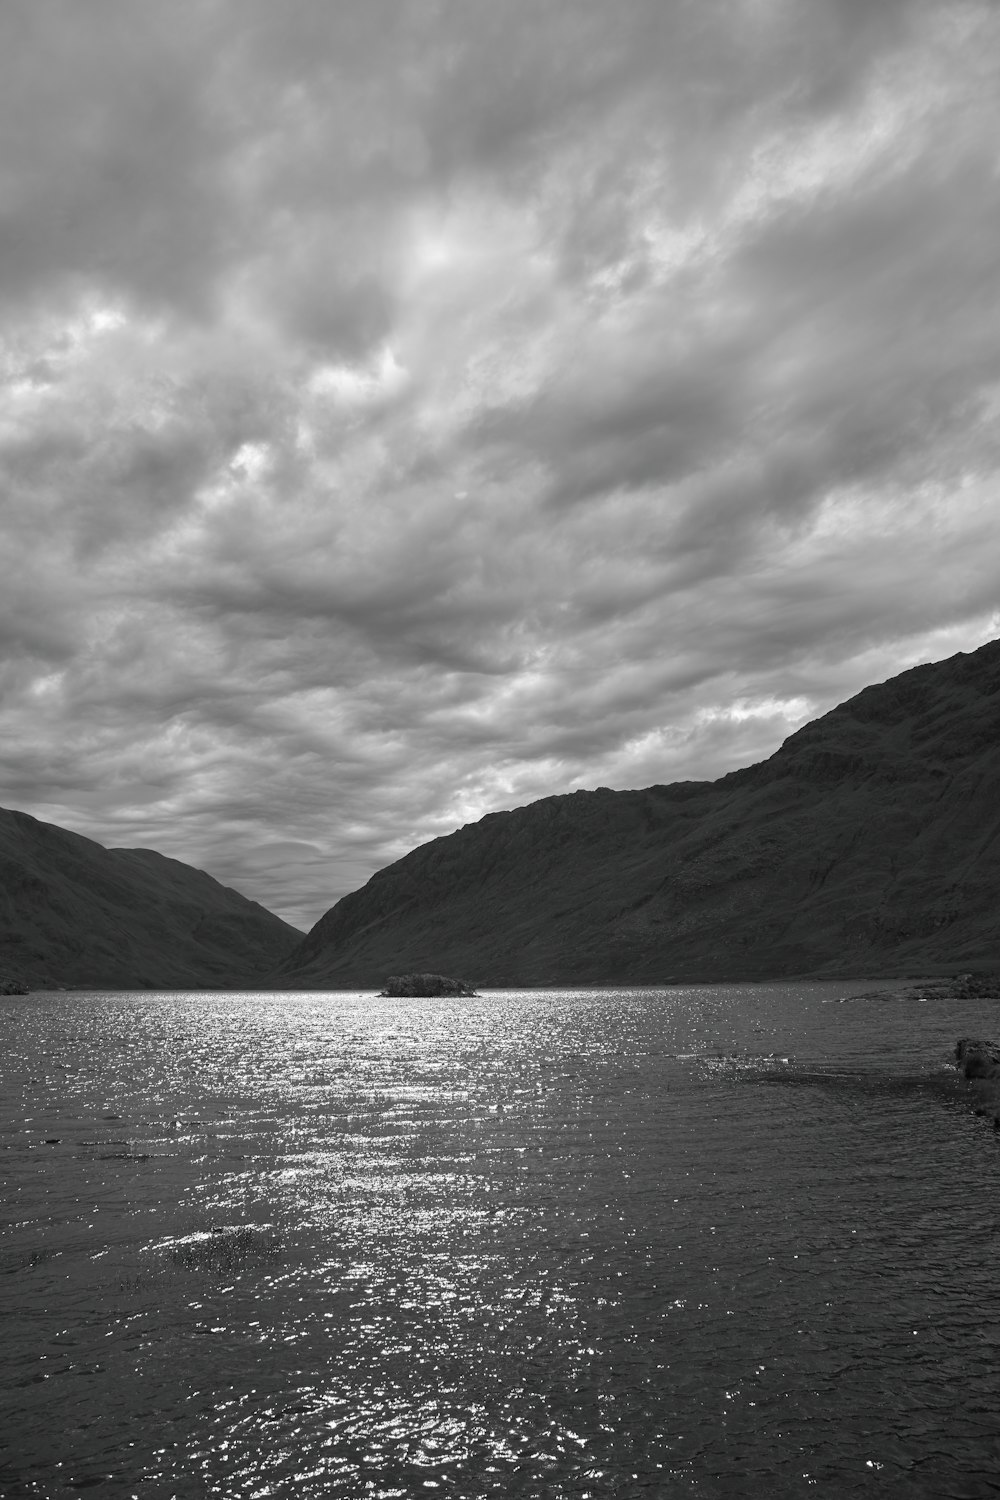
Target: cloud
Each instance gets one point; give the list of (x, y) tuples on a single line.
[(410, 410)]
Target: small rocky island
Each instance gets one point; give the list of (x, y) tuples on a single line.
[(425, 985)]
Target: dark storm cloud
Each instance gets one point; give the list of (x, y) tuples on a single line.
[(411, 409)]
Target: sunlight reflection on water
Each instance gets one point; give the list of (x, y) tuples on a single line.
[(537, 1244)]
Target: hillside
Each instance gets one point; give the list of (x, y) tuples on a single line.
[(868, 843), (77, 915)]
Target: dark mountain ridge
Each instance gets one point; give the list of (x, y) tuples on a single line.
[(868, 843), (79, 916)]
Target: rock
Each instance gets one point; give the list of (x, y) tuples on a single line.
[(977, 1059), (970, 986), (13, 987), (975, 986), (425, 985), (979, 1062)]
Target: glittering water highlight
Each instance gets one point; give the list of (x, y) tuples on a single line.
[(708, 1241)]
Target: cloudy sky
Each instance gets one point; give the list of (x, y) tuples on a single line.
[(412, 408)]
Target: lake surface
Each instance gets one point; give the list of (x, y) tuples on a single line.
[(726, 1241)]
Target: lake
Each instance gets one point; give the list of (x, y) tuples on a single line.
[(706, 1241)]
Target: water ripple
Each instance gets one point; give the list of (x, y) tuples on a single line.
[(705, 1242)]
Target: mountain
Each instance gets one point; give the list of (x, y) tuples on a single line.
[(80, 916), (869, 843)]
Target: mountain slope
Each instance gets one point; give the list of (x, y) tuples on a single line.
[(869, 842), (75, 914)]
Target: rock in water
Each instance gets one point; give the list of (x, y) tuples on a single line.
[(975, 986), (426, 985), (977, 1059)]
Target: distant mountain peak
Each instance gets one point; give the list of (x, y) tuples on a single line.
[(79, 916)]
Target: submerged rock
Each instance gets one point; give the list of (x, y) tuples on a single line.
[(425, 985)]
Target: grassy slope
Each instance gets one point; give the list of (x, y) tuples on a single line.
[(75, 914), (869, 843)]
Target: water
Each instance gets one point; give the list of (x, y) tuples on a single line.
[(697, 1242)]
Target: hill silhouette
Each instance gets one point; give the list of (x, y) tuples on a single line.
[(77, 915), (869, 843)]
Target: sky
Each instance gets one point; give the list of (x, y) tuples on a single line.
[(414, 408)]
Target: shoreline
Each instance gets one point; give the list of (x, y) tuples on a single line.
[(965, 985)]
